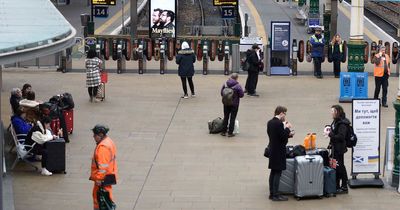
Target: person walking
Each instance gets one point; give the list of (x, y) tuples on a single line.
[(338, 132), (381, 74), (104, 166), (93, 67), (279, 131), (337, 54), (317, 52), (254, 59), (230, 111), (185, 59)]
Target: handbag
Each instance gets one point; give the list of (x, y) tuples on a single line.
[(103, 77), (105, 203), (266, 152), (109, 179), (332, 161)]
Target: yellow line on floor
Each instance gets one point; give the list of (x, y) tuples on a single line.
[(113, 19), (366, 30), (257, 18)]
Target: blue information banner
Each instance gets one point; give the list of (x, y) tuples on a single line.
[(280, 36), (353, 85)]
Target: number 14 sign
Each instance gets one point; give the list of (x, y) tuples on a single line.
[(100, 11), (228, 12)]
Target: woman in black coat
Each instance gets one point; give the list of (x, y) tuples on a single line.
[(278, 132), (185, 60), (336, 48), (338, 133)]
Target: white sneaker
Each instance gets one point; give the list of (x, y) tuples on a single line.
[(45, 172)]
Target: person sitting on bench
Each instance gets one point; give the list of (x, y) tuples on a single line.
[(21, 126), (38, 136)]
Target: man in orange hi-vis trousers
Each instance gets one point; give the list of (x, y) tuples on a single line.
[(104, 166)]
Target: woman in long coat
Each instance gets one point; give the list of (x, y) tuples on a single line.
[(93, 66), (185, 60)]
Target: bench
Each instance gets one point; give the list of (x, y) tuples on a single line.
[(20, 148)]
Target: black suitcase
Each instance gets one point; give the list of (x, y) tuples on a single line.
[(55, 155), (320, 151)]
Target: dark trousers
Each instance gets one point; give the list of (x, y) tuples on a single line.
[(317, 66), (230, 113), (384, 82), (336, 67), (40, 149), (341, 172), (93, 91), (190, 81), (274, 178), (251, 82)]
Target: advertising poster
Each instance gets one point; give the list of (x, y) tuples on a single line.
[(366, 125), (162, 18), (280, 36)]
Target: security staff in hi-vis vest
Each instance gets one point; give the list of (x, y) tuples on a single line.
[(104, 166), (381, 74), (336, 48), (317, 52)]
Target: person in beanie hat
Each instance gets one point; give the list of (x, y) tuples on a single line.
[(185, 60)]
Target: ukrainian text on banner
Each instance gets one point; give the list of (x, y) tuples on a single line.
[(162, 18), (366, 124)]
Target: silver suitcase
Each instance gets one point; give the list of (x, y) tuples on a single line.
[(309, 176), (286, 183)]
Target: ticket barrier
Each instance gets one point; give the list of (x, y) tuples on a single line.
[(227, 52), (205, 57)]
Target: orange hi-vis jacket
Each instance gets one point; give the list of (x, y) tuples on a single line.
[(379, 68), (103, 161)]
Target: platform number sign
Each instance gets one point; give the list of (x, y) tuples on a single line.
[(228, 12), (100, 11)]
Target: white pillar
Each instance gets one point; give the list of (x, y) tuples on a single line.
[(357, 20)]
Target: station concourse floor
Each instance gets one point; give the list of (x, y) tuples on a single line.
[(166, 157)]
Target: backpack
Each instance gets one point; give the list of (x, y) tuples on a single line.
[(246, 65), (227, 95), (216, 125), (68, 101), (351, 137)]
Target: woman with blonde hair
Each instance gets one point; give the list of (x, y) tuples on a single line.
[(336, 50)]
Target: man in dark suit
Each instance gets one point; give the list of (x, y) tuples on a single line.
[(254, 59), (279, 130)]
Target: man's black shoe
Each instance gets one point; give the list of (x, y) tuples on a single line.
[(280, 198), (254, 94), (223, 133), (320, 77), (270, 197), (342, 191), (231, 135), (385, 105)]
